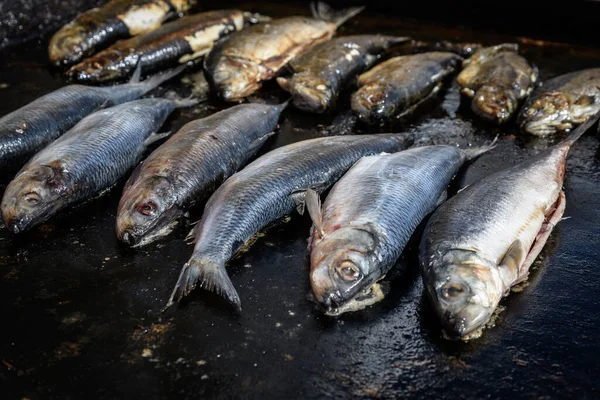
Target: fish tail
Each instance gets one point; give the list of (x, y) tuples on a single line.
[(581, 129), (475, 152), (212, 277), (155, 80), (325, 12)]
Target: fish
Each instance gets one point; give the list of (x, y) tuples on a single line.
[(323, 71), (189, 166), (102, 26), (86, 160), (483, 241), (497, 78), (30, 128), (396, 87), (266, 190), (460, 48), (176, 42), (561, 103), (237, 65), (355, 240)]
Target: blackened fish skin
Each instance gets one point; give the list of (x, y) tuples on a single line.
[(397, 86), (497, 78), (27, 130), (324, 70), (174, 43), (189, 166), (117, 19), (268, 189), (361, 236), (561, 103), (90, 157)]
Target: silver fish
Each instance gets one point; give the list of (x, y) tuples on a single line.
[(356, 239), (189, 166), (90, 157), (268, 189), (483, 241)]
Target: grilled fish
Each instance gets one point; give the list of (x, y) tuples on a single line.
[(27, 130), (562, 103), (483, 241), (268, 189), (176, 42), (190, 166), (397, 86), (355, 241), (497, 78), (324, 70), (90, 157), (237, 65), (117, 19)]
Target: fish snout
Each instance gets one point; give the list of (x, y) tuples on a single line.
[(129, 238), (496, 105)]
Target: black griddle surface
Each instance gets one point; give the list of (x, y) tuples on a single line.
[(81, 314)]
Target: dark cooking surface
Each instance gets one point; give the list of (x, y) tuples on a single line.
[(81, 313)]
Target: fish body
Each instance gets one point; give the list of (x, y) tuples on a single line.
[(397, 86), (189, 166), (483, 241), (324, 70), (358, 239), (28, 129), (117, 19), (561, 103), (497, 78), (174, 43), (238, 65), (90, 157), (268, 189)]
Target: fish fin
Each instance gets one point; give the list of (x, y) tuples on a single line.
[(258, 143), (155, 137), (137, 73), (442, 198), (155, 80), (284, 83), (255, 18), (190, 238), (313, 205), (511, 263), (475, 152), (211, 276), (187, 102), (324, 11), (581, 129), (299, 201), (105, 104)]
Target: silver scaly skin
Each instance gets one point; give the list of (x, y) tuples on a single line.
[(481, 242)]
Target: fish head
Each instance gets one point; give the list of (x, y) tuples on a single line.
[(344, 270), (68, 45), (235, 79), (148, 209), (102, 67), (496, 104), (374, 102), (465, 290), (31, 197), (311, 93), (546, 115)]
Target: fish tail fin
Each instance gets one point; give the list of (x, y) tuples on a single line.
[(581, 129), (325, 12), (475, 152), (212, 277), (155, 80)]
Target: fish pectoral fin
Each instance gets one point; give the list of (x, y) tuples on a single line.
[(313, 205), (442, 198), (155, 137), (257, 143), (299, 198), (511, 263), (105, 104), (137, 73)]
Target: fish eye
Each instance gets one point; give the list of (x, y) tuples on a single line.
[(32, 198), (146, 208), (451, 291), (348, 270)]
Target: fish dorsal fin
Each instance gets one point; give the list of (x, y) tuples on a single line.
[(511, 263), (313, 205)]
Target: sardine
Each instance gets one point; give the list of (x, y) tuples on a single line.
[(324, 70), (268, 189), (356, 240), (27, 130), (561, 103), (237, 65), (483, 241), (176, 42), (497, 78), (397, 86), (189, 166), (90, 157), (117, 19)]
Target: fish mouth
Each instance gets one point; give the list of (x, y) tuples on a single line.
[(335, 306), (138, 238)]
